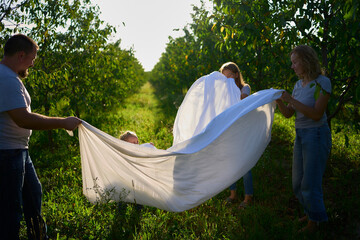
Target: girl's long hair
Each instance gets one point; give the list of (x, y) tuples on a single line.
[(239, 80)]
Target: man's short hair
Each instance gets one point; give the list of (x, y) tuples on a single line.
[(18, 43)]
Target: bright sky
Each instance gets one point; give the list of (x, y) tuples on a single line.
[(148, 24)]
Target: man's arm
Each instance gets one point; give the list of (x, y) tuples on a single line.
[(25, 119)]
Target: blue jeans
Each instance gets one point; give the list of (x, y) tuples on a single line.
[(248, 184), (20, 191), (311, 151)]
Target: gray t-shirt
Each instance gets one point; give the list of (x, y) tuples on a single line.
[(13, 95), (305, 95)]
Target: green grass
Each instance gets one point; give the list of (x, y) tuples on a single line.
[(272, 216), (142, 114)]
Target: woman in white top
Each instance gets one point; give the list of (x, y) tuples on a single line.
[(231, 70)]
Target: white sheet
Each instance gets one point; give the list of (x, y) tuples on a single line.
[(208, 96), (188, 173)]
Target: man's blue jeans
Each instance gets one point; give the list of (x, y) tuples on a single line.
[(248, 184), (311, 151), (20, 191)]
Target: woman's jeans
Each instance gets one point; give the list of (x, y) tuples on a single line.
[(311, 151), (248, 184), (20, 191)]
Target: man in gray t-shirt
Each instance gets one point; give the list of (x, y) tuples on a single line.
[(13, 95), (20, 189)]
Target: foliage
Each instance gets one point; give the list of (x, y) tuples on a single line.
[(76, 72), (258, 36), (173, 74), (7, 7)]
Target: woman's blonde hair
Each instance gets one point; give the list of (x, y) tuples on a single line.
[(126, 135), (239, 80), (309, 61)]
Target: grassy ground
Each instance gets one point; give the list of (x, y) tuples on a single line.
[(272, 216)]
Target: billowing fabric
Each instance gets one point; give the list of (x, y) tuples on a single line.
[(207, 97), (188, 173)]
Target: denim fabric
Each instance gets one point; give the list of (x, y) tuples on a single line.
[(311, 151), (248, 184), (20, 191)]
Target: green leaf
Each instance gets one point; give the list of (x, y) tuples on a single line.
[(317, 91)]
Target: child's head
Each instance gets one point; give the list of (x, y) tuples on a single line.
[(130, 137)]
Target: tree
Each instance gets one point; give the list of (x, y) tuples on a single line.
[(7, 7), (258, 35), (77, 72)]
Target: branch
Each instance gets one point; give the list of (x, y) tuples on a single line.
[(342, 99), (8, 9), (332, 67)]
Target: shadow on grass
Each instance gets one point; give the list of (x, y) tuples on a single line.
[(342, 194), (340, 184)]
